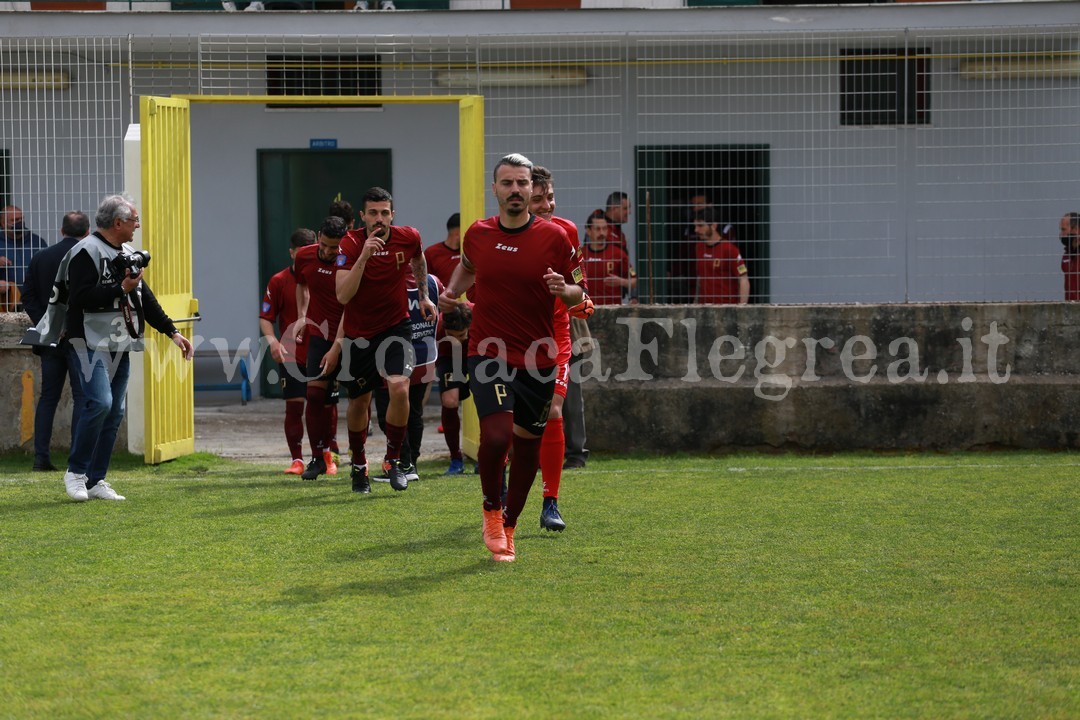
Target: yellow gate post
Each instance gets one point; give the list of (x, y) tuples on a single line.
[(169, 391)]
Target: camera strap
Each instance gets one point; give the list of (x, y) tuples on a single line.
[(125, 308)]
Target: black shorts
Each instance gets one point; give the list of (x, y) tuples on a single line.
[(497, 388), (317, 349), (365, 362), (451, 378), (293, 381)]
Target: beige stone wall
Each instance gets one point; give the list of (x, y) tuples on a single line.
[(18, 399)]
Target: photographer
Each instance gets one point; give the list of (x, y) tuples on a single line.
[(108, 307)]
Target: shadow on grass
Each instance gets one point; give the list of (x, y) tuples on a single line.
[(389, 587), (393, 587), (335, 496), (462, 536)]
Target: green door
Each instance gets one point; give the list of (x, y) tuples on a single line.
[(296, 188)]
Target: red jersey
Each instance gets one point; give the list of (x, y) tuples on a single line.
[(442, 261), (381, 301), (1070, 265), (324, 311), (279, 305), (719, 268), (602, 264), (562, 315), (513, 305)]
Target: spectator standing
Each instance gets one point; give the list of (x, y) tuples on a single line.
[(721, 271), (290, 351), (17, 246), (617, 213), (1069, 232), (606, 264), (682, 272), (519, 263), (59, 362)]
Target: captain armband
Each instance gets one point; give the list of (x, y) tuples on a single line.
[(583, 309)]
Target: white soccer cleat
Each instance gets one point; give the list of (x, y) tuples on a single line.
[(76, 486)]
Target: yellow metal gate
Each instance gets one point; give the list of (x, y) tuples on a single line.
[(169, 398)]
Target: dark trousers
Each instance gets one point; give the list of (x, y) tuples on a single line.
[(57, 364), (574, 417), (410, 449)]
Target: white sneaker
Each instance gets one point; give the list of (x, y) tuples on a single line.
[(360, 5), (387, 5), (102, 491), (76, 486), (254, 7)]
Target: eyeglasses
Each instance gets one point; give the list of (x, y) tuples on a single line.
[(133, 219)]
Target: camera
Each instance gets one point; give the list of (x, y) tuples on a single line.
[(133, 261)]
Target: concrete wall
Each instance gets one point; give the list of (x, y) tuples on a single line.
[(17, 402), (943, 376)]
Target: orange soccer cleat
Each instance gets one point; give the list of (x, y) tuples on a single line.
[(494, 534), (297, 468), (510, 555), (331, 466)]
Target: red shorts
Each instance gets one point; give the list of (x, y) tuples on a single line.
[(562, 377)]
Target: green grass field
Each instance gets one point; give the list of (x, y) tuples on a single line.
[(743, 586)]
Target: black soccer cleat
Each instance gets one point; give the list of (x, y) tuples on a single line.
[(315, 468), (396, 474), (550, 519), (360, 481)]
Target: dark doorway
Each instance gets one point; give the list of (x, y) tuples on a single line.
[(734, 178), (295, 189)]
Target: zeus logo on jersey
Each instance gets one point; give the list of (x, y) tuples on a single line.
[(507, 248)]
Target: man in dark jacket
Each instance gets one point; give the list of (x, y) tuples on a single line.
[(60, 361)]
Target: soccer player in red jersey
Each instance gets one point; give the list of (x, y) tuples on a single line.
[(290, 352), (1070, 261), (720, 267), (371, 283), (315, 273), (519, 263), (606, 264), (553, 444), (443, 258)]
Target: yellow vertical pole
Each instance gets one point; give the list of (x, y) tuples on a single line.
[(471, 168)]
